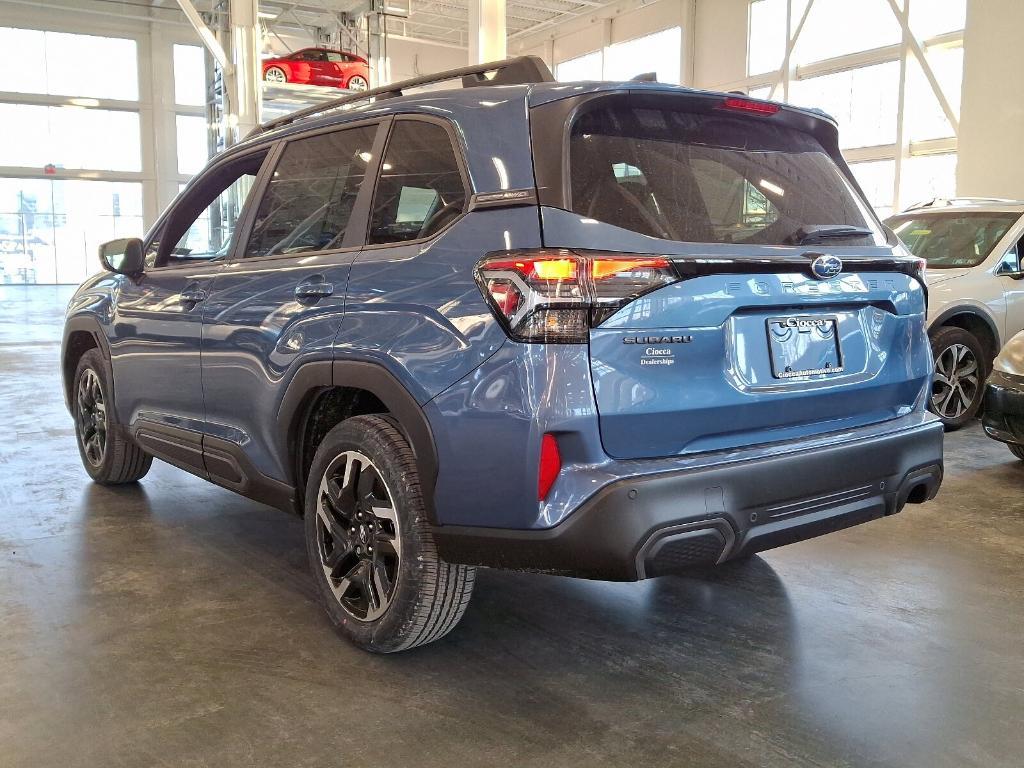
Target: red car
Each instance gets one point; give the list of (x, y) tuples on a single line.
[(319, 66)]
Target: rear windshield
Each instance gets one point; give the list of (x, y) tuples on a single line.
[(709, 178), (950, 240)]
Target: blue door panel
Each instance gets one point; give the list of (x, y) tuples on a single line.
[(256, 335)]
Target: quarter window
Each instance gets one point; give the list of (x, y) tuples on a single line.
[(420, 188), (309, 201)]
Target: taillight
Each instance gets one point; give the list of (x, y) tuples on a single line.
[(550, 465), (556, 296), (749, 105)]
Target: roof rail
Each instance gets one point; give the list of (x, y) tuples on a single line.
[(939, 202), (515, 71)]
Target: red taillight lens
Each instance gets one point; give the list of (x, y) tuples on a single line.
[(749, 105), (558, 295), (550, 465)]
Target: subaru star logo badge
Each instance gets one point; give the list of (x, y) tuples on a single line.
[(826, 266)]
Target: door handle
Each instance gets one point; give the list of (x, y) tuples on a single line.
[(312, 291), (192, 295)]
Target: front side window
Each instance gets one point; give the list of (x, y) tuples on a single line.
[(420, 188), (709, 178), (202, 224), (951, 240), (309, 201)]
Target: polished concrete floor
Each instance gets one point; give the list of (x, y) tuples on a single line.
[(173, 623)]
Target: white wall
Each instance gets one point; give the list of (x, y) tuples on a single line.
[(720, 43), (991, 141), (412, 59)]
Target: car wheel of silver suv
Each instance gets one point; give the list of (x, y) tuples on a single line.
[(958, 386)]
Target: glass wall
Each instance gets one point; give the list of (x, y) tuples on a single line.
[(856, 77), (73, 173), (659, 53), (50, 229)]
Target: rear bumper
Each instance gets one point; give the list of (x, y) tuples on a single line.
[(652, 525), (1003, 417)]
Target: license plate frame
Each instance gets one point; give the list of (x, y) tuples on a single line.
[(804, 345)]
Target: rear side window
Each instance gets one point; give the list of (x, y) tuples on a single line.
[(950, 240), (309, 201), (420, 188), (708, 178)]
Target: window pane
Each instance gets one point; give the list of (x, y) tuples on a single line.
[(767, 40), (69, 65), (189, 75), (925, 116), (27, 47), (699, 178), (863, 101), (878, 180), (658, 53), (948, 239), (309, 202), (50, 230), (70, 137), (933, 17), (760, 93), (837, 27), (586, 67), (193, 143), (420, 188), (202, 222), (926, 177)]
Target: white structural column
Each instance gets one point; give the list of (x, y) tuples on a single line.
[(245, 60), (487, 40), (991, 160)]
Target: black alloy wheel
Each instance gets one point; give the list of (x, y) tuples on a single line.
[(358, 536), (91, 418)]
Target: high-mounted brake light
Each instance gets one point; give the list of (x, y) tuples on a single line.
[(749, 105), (557, 296)]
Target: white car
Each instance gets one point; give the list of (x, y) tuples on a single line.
[(973, 248)]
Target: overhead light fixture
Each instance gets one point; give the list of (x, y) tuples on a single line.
[(268, 14), (773, 188)]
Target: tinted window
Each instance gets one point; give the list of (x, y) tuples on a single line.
[(201, 224), (420, 188), (308, 204), (948, 240), (713, 178)]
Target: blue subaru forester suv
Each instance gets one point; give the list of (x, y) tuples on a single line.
[(607, 330)]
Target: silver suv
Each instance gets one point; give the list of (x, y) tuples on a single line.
[(973, 247)]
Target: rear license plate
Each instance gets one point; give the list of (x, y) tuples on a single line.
[(804, 345)]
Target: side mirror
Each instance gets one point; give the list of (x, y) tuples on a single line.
[(123, 256)]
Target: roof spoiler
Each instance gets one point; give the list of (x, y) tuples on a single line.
[(521, 70)]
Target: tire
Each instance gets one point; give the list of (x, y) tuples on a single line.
[(357, 83), (1016, 450), (275, 75), (108, 454), (958, 387), (364, 464)]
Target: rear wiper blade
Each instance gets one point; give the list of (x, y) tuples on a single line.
[(812, 233)]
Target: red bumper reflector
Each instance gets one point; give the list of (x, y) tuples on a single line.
[(550, 466)]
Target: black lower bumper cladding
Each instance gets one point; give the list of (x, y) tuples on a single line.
[(653, 525)]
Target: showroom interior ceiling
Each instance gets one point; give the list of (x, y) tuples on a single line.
[(441, 21)]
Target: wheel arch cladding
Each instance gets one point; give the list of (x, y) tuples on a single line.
[(329, 393), (975, 323), (80, 335)]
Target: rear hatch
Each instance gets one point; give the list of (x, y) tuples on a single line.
[(776, 323)]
